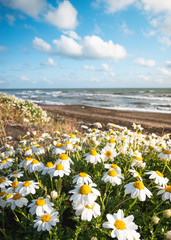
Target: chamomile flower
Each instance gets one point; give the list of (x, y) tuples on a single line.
[(166, 154), (12, 188), (97, 125), (16, 174), (59, 170), (47, 168), (166, 192), (122, 228), (38, 150), (88, 211), (46, 221), (35, 165), (113, 166), (40, 206), (4, 182), (112, 177), (108, 153), (27, 151), (135, 173), (27, 187), (92, 157), (82, 178), (6, 163), (3, 193), (84, 194), (159, 178), (137, 189), (9, 151), (138, 161), (58, 149), (17, 200), (64, 160), (68, 146)]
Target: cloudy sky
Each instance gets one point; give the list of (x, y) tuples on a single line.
[(85, 43)]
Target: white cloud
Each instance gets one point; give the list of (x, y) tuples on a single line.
[(150, 33), (29, 7), (145, 63), (107, 67), (50, 63), (157, 6), (95, 47), (168, 63), (91, 68), (24, 78), (164, 72), (126, 30), (65, 16), (112, 6), (68, 46), (91, 47), (2, 48), (10, 19), (72, 34), (165, 40), (41, 45)]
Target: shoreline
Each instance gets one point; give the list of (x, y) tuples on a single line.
[(152, 122)]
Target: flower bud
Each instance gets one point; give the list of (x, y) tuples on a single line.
[(167, 213), (54, 194), (48, 196), (155, 219)]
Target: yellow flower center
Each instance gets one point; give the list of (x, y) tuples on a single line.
[(120, 225), (159, 173), (2, 193), (16, 196), (85, 189), (14, 184), (35, 161), (46, 218), (111, 140), (140, 133), (135, 153), (115, 166), (106, 135), (15, 172), (93, 152), (40, 202), (8, 196), (139, 159), (28, 159), (26, 184), (139, 185), (112, 173), (168, 189), (87, 206), (59, 166), (151, 147), (8, 149), (2, 179), (27, 148), (63, 156), (83, 174), (138, 174), (58, 145), (49, 164), (108, 153), (67, 143), (167, 152)]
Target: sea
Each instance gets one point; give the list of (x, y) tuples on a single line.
[(129, 99)]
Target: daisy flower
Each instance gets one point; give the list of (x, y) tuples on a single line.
[(88, 211), (28, 151), (38, 150), (112, 177), (46, 221), (64, 160), (82, 178), (35, 165), (6, 163), (92, 157), (122, 228), (13, 187), (59, 170), (4, 182), (9, 151), (137, 127), (57, 149), (113, 166), (137, 189), (111, 142), (40, 206), (166, 154), (138, 161), (159, 178), (135, 173), (26, 162), (108, 153), (17, 200), (16, 174), (47, 168), (84, 194), (27, 187), (68, 146), (166, 192), (97, 125)]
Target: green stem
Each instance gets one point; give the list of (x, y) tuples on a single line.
[(153, 235), (134, 202), (51, 180), (78, 230)]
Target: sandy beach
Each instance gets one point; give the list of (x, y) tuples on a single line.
[(159, 123)]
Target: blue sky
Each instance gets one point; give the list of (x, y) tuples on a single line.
[(83, 43)]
